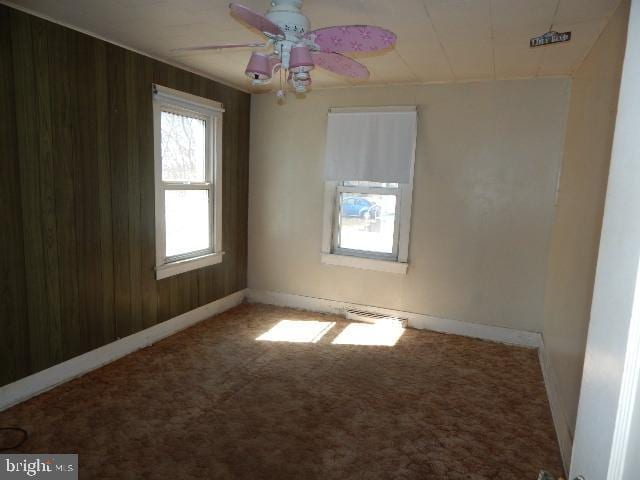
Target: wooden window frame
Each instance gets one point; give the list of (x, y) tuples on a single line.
[(397, 262), (335, 244), (174, 101)]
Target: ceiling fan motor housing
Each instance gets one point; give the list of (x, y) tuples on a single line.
[(297, 50), (287, 15)]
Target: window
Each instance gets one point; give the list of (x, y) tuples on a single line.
[(188, 161), (368, 188), (366, 219)]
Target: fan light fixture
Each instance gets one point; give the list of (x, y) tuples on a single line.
[(297, 50), (258, 67), (301, 60)]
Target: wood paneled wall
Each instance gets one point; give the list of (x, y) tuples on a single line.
[(77, 241)]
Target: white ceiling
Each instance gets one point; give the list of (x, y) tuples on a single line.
[(438, 40)]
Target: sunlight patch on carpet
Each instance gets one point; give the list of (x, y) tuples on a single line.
[(298, 331), (384, 334)]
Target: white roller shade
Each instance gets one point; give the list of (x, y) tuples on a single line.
[(371, 145)]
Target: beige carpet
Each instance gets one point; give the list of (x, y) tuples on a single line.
[(213, 402)]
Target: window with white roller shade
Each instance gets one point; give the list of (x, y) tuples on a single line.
[(371, 145), (370, 156)]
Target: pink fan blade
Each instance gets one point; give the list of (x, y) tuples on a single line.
[(255, 20), (352, 38), (336, 63), (218, 47)]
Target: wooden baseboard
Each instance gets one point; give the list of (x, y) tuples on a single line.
[(44, 380)]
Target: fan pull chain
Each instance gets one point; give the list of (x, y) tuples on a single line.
[(280, 92)]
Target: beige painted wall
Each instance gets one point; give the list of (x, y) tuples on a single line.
[(487, 161), (576, 232)]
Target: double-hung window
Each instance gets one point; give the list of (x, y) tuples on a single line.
[(366, 219), (368, 187), (188, 163)]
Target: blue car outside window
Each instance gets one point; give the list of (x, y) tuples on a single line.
[(352, 207)]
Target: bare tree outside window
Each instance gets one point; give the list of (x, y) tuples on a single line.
[(183, 148), (188, 183), (187, 223)]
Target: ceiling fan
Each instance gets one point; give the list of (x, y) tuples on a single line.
[(295, 50)]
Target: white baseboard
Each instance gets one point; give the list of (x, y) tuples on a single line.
[(416, 320), (40, 382), (563, 432), (44, 380), (428, 322)]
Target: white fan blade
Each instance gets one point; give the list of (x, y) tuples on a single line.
[(221, 46)]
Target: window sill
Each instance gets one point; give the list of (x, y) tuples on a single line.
[(182, 266), (364, 263)]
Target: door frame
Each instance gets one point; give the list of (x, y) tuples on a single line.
[(611, 375)]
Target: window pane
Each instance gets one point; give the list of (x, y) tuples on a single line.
[(187, 221), (183, 148), (363, 183), (367, 222)]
